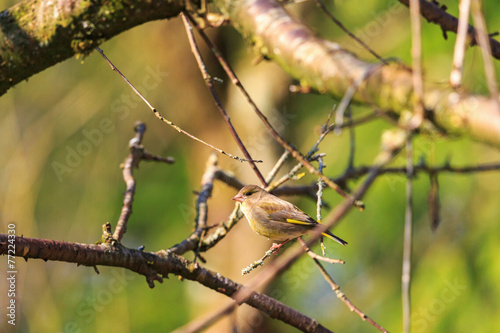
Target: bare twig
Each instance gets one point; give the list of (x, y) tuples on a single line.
[(352, 141), (416, 54), (207, 185), (257, 263), (433, 202), (165, 120), (406, 269), (317, 256), (281, 161), (346, 99), (328, 13), (210, 85), (195, 241), (459, 52), (343, 297), (319, 195), (482, 39), (137, 153), (433, 13)]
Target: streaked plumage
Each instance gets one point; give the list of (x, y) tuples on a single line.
[(276, 218)]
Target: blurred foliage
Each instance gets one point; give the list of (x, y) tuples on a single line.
[(455, 270)]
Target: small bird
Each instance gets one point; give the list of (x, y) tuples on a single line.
[(276, 218)]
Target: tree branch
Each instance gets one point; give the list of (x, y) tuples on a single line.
[(37, 34), (435, 14), (151, 265)]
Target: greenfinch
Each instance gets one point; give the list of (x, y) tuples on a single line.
[(275, 218)]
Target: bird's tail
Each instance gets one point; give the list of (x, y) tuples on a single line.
[(335, 238)]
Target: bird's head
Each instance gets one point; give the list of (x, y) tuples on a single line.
[(247, 192)]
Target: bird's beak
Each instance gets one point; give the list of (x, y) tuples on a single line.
[(238, 197)]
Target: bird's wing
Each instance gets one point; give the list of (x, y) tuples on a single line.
[(291, 215)]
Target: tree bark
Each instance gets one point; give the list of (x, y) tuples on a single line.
[(37, 34)]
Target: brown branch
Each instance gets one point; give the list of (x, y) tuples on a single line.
[(193, 241), (137, 153), (434, 203), (433, 13), (152, 265), (210, 85), (328, 13), (343, 297)]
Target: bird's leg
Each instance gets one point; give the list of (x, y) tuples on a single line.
[(277, 246)]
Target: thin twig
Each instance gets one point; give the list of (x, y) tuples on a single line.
[(482, 39), (317, 256), (459, 52), (281, 161), (165, 120), (352, 141), (137, 153), (406, 269), (435, 14), (294, 152), (257, 263), (346, 99), (433, 202), (319, 195), (360, 171), (207, 185), (210, 85), (195, 241), (328, 13), (343, 297), (416, 54)]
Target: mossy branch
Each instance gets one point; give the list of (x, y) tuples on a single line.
[(37, 34)]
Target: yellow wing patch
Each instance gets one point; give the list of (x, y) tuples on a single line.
[(298, 222)]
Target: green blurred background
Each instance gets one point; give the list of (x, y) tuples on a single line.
[(455, 269)]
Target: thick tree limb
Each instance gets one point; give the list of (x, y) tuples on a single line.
[(151, 264), (37, 34), (328, 68)]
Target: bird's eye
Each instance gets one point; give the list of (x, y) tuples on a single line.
[(250, 193)]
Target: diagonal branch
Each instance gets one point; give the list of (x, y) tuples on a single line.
[(210, 85), (431, 11)]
